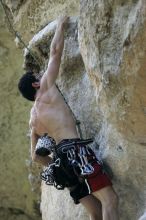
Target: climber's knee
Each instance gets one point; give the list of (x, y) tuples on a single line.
[(93, 206), (107, 197), (95, 216)]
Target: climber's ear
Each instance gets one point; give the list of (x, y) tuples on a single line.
[(36, 85)]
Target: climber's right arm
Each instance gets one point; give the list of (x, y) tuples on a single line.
[(56, 50)]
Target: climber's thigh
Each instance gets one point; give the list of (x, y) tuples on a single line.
[(91, 204), (106, 195)]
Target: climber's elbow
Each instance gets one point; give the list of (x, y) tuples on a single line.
[(35, 157)]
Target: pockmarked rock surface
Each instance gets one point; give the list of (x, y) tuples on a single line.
[(117, 29), (102, 76)]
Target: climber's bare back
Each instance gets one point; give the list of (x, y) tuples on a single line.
[(51, 115)]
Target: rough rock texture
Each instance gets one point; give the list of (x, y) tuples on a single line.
[(30, 16), (104, 83), (117, 29)]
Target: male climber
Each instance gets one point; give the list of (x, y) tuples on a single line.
[(51, 116)]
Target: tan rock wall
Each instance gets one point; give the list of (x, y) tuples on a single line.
[(106, 90), (116, 67)]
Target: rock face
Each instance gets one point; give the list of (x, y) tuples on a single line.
[(102, 76), (117, 69)]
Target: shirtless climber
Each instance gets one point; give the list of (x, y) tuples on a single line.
[(51, 116)]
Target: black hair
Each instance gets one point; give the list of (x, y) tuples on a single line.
[(25, 86)]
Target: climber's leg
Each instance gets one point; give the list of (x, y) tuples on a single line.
[(109, 201), (93, 207)]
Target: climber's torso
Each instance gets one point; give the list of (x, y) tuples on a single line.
[(51, 115)]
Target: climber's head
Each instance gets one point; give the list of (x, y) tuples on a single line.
[(28, 86)]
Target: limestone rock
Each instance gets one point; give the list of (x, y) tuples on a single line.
[(102, 76), (112, 42)]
